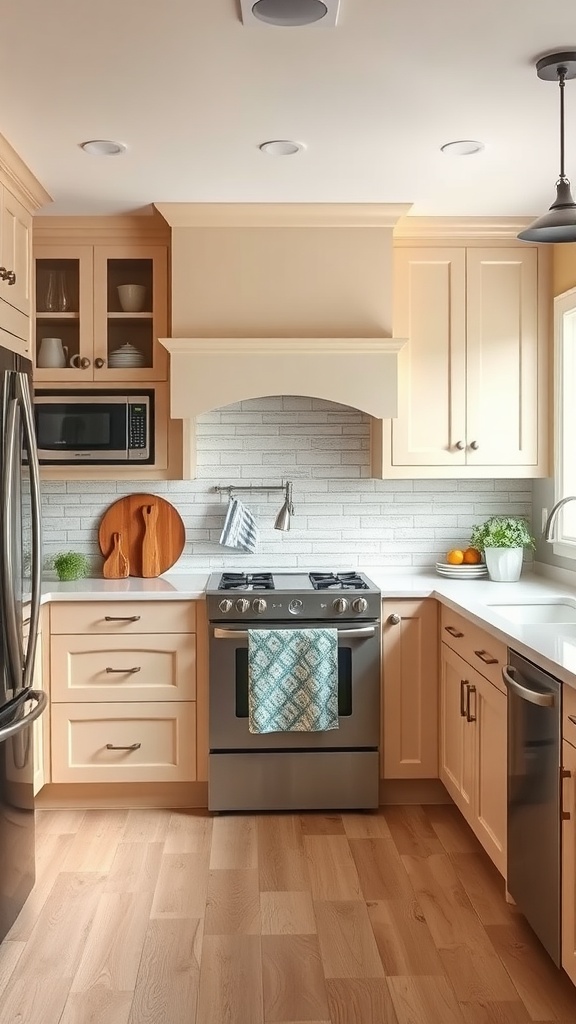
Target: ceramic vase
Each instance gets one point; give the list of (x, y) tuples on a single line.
[(504, 564)]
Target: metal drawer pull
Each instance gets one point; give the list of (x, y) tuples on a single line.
[(564, 774), (394, 619), (347, 634), (121, 618), (469, 716), (463, 685), (543, 700), (453, 631), (133, 746), (125, 671), (486, 658)]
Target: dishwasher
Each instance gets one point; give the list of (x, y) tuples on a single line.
[(534, 797)]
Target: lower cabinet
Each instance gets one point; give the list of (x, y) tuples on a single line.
[(409, 740), (473, 745), (569, 832)]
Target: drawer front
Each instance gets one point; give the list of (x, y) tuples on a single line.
[(160, 666), (569, 714), (160, 742), (122, 617), (481, 650)]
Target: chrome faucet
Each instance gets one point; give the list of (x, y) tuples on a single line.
[(548, 533)]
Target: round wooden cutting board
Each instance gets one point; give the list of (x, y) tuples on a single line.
[(151, 530)]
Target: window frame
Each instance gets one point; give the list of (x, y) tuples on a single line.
[(565, 420)]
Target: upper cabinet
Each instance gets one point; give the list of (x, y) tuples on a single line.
[(101, 299), (473, 374)]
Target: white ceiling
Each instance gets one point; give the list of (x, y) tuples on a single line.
[(192, 92)]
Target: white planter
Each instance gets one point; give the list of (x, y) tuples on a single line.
[(504, 564)]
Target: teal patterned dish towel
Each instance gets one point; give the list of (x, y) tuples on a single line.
[(292, 680)]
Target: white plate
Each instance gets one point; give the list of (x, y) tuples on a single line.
[(461, 575), (463, 567)]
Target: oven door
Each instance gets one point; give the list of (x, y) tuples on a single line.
[(358, 692), (81, 429)]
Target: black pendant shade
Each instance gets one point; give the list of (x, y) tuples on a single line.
[(559, 224)]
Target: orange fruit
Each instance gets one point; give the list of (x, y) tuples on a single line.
[(472, 556), (455, 556)]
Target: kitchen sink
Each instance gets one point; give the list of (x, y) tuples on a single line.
[(539, 613)]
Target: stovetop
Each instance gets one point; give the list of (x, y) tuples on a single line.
[(286, 595)]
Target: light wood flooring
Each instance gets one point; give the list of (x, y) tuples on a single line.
[(159, 917)]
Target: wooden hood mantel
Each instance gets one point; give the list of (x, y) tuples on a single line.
[(210, 373)]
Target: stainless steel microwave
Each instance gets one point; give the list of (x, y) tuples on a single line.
[(97, 427)]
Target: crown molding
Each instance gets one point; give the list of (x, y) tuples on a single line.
[(148, 227), (446, 228), (282, 215), (20, 180)]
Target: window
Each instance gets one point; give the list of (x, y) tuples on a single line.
[(565, 420)]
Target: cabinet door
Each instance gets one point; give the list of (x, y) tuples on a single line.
[(130, 312), (63, 313), (489, 707), (456, 733), (569, 863), (502, 357), (16, 252), (430, 310), (410, 690)]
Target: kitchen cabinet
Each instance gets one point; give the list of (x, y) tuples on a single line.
[(569, 833), (123, 691), (409, 689), (473, 730), (80, 265), (473, 374), (41, 727)]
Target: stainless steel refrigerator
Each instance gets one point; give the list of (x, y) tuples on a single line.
[(20, 579)]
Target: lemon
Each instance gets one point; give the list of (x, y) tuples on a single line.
[(455, 556)]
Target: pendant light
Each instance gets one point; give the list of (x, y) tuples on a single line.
[(559, 224)]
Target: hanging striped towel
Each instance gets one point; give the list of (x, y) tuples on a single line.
[(292, 680), (240, 529)]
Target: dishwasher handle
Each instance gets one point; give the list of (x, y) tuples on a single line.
[(544, 700)]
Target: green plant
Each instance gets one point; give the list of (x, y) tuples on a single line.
[(502, 532), (71, 565)]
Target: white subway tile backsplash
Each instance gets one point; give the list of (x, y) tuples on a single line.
[(343, 517)]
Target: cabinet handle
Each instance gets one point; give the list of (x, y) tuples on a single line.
[(99, 363), (486, 658), (10, 277), (460, 446), (453, 631), (125, 671), (463, 684), (133, 746), (474, 446), (394, 619), (3, 273), (564, 774), (469, 716), (121, 618), (84, 363)]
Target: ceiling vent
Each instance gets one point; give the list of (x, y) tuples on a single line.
[(289, 13)]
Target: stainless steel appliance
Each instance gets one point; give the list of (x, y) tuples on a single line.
[(20, 705), (94, 426), (294, 770), (534, 794)]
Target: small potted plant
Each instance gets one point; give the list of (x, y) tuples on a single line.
[(71, 565), (503, 539)]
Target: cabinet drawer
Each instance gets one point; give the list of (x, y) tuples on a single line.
[(157, 666), (569, 714), (161, 742), (123, 617), (478, 648)]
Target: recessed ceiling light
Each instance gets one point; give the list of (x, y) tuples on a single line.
[(103, 147), (281, 147), (289, 12), (463, 147)]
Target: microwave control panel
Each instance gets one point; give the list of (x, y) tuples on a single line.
[(137, 431)]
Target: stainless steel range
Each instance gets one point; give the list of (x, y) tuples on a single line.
[(294, 770)]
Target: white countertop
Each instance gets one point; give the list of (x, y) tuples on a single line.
[(553, 647)]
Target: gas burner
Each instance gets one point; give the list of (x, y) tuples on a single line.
[(337, 581), (246, 581)]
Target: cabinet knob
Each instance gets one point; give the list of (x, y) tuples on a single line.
[(460, 446), (474, 446), (99, 363), (84, 362), (3, 273), (10, 277), (394, 619)]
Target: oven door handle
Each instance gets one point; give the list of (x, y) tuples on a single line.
[(361, 633)]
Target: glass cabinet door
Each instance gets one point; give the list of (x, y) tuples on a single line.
[(63, 319)]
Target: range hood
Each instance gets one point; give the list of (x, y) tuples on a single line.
[(286, 299)]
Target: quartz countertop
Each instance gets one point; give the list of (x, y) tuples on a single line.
[(553, 647)]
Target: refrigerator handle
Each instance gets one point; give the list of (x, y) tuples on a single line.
[(13, 642), (25, 399)]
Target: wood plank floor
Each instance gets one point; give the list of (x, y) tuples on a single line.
[(160, 917)]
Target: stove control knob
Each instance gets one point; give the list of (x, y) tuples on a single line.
[(360, 604), (340, 605), (295, 607), (259, 605), (225, 605), (242, 605)]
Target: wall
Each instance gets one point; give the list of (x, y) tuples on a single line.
[(343, 518)]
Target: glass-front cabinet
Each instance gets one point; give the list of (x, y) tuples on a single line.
[(100, 310)]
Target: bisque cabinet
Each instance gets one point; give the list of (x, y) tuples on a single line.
[(472, 376), (569, 832), (409, 689)]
